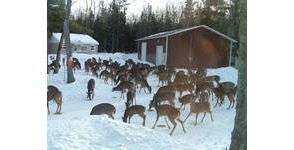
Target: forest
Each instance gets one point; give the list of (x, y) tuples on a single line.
[(116, 31)]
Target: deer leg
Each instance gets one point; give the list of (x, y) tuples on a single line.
[(231, 98), (230, 103), (110, 116), (217, 101), (144, 118), (210, 115), (130, 118), (166, 123), (157, 117), (175, 125), (233, 103), (57, 108), (48, 108), (196, 119), (188, 116), (203, 117), (181, 105), (182, 123)]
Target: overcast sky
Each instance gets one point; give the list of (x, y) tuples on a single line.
[(135, 6)]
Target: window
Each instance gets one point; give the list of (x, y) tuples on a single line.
[(92, 48)]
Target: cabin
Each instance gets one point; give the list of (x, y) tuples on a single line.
[(81, 43), (194, 47)]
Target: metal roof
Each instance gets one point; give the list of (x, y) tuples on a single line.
[(173, 32)]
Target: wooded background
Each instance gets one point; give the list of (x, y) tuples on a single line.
[(116, 31)]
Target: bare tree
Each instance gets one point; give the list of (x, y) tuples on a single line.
[(57, 60), (70, 76), (239, 134)]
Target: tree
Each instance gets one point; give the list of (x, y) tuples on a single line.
[(239, 134), (70, 76), (55, 16), (187, 14)]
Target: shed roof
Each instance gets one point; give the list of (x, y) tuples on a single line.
[(75, 38), (172, 32)]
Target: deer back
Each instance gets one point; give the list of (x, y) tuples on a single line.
[(103, 108), (198, 107), (53, 93)]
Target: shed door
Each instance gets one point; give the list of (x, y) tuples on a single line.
[(143, 51), (160, 55)]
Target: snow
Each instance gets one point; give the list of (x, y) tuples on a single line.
[(76, 38), (76, 129)]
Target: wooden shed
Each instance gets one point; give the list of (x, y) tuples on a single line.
[(194, 47)]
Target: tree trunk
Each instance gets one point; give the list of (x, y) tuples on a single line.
[(239, 134), (57, 60), (70, 75)]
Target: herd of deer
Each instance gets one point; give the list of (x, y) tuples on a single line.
[(130, 76)]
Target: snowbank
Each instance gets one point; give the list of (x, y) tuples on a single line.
[(76, 129), (100, 132)]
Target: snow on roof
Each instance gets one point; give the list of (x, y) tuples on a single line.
[(75, 38), (169, 33)]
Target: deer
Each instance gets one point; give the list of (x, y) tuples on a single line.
[(91, 89), (162, 97), (172, 113), (203, 86), (164, 78), (187, 99), (144, 84), (103, 108), (168, 88), (76, 63), (203, 106), (135, 109), (123, 86), (214, 78), (53, 93), (184, 87), (222, 91), (131, 97)]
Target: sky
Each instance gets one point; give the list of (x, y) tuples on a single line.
[(135, 7)]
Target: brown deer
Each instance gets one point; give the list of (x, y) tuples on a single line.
[(91, 89), (164, 78), (172, 114), (214, 78), (135, 109), (222, 91), (185, 87), (103, 108), (54, 94), (106, 75), (168, 88), (187, 99), (144, 84), (162, 97), (131, 97), (200, 107), (123, 86)]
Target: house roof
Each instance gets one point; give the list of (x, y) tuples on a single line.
[(75, 38), (173, 32)]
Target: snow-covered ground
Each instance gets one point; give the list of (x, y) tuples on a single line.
[(76, 129)]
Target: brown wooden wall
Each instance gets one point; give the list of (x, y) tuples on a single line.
[(151, 48), (206, 49)]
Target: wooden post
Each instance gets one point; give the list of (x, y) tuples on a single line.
[(166, 49), (231, 46)]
